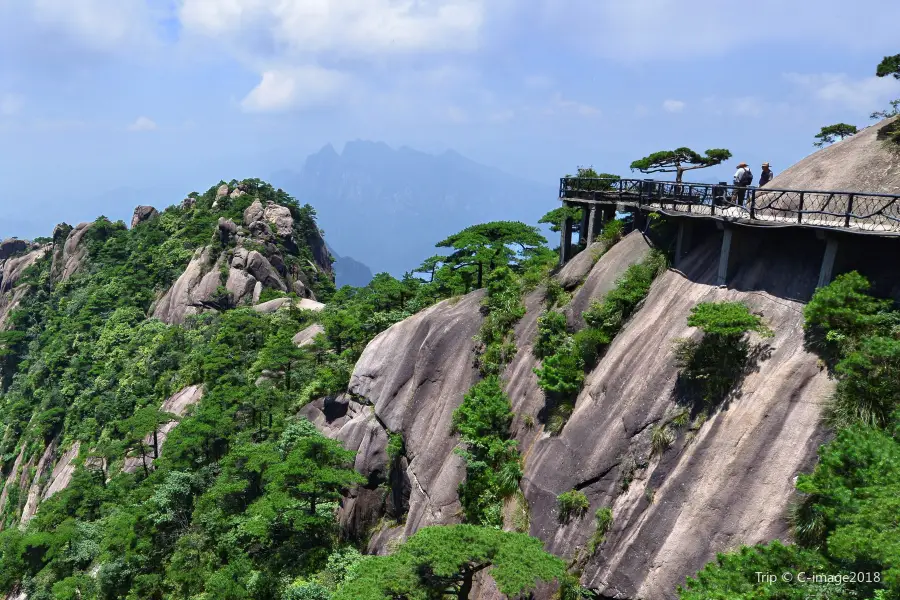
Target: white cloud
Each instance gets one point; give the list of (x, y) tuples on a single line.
[(10, 104), (673, 106), (861, 95), (358, 28), (294, 88), (143, 124)]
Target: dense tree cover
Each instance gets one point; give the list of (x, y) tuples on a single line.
[(846, 519), (832, 133), (241, 500), (441, 562), (680, 160)]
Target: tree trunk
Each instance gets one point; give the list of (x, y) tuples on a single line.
[(144, 460), (678, 174), (155, 443), (468, 580), (480, 275)]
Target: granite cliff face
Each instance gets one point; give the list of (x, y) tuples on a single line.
[(727, 483)]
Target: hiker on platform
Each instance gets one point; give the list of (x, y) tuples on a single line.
[(766, 175), (742, 178)]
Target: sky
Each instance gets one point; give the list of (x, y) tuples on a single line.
[(108, 103)]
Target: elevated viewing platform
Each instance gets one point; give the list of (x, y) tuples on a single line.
[(858, 212), (736, 211)]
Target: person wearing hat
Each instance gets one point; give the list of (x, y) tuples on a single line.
[(766, 175), (742, 178)]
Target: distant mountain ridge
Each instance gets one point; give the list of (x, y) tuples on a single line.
[(371, 192)]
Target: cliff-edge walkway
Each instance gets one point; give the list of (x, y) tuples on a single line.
[(852, 212)]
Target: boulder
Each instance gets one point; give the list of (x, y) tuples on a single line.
[(280, 217), (197, 284), (306, 336), (308, 304), (257, 292), (227, 229), (222, 191), (271, 306), (13, 246), (237, 193), (188, 203), (143, 214), (260, 267), (239, 259), (240, 285), (253, 213), (300, 289)]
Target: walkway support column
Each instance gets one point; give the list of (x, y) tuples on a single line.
[(583, 227), (565, 240), (724, 255), (683, 245), (825, 273), (592, 221)]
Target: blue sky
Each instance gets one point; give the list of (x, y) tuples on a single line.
[(105, 103)]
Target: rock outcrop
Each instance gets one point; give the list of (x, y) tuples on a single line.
[(864, 162), (14, 246), (196, 286), (730, 484), (11, 270), (727, 483), (69, 250), (306, 337), (410, 379), (142, 214)]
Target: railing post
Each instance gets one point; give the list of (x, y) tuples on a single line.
[(752, 203), (800, 210), (849, 210)]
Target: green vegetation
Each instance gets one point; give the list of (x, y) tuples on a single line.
[(441, 561), (680, 160), (712, 366), (493, 468), (551, 333), (833, 133), (889, 66), (240, 503), (571, 504), (487, 247), (603, 520), (845, 520), (561, 374)]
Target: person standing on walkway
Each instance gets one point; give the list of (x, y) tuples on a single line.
[(766, 175), (742, 178)]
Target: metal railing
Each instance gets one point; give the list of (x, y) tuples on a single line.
[(856, 210)]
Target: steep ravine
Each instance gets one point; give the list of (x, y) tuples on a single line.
[(730, 485)]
